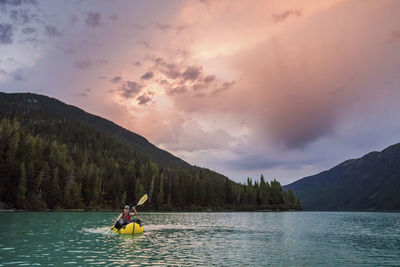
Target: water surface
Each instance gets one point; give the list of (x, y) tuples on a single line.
[(202, 239)]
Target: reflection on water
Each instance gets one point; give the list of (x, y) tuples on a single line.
[(234, 239)]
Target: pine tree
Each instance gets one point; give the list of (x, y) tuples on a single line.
[(54, 195), (291, 198), (21, 195), (139, 190), (276, 193), (160, 197), (264, 192)]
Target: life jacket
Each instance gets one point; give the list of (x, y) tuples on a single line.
[(126, 217)]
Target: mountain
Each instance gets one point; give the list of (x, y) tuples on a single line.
[(34, 104), (368, 183), (56, 156)]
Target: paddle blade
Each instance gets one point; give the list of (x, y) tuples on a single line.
[(142, 200)]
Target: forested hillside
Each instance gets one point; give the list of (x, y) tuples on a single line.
[(368, 183), (34, 107), (55, 156)]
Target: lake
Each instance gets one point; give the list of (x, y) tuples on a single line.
[(202, 239)]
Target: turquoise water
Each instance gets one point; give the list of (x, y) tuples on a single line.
[(202, 239)]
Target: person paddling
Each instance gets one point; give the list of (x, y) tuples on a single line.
[(125, 217)]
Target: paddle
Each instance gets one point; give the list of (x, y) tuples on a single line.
[(142, 200)]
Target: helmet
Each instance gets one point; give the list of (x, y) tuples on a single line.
[(126, 207)]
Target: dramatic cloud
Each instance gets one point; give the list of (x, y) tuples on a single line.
[(19, 76), (84, 64), (130, 89), (286, 14), (116, 79), (52, 31), (163, 27), (199, 86), (176, 79), (6, 33), (144, 44), (242, 87), (171, 70), (21, 16), (73, 19), (209, 78), (147, 76), (113, 17), (88, 63), (93, 20), (143, 99), (16, 2), (168, 27), (177, 90), (223, 87), (191, 73), (28, 30)]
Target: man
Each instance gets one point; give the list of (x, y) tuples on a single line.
[(125, 217)]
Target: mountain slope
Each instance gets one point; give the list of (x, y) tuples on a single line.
[(368, 183), (34, 104), (56, 156)]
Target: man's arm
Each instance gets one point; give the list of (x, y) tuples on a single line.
[(119, 217), (134, 212)]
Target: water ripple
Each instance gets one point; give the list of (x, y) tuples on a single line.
[(202, 239)]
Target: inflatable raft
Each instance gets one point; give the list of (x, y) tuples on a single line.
[(129, 229)]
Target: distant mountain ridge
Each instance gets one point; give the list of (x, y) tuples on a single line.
[(30, 102), (371, 182)]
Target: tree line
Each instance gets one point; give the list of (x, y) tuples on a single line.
[(64, 164)]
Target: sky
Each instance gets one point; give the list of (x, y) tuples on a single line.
[(281, 88)]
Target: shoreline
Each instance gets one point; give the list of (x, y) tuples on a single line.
[(204, 211), (161, 211)]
